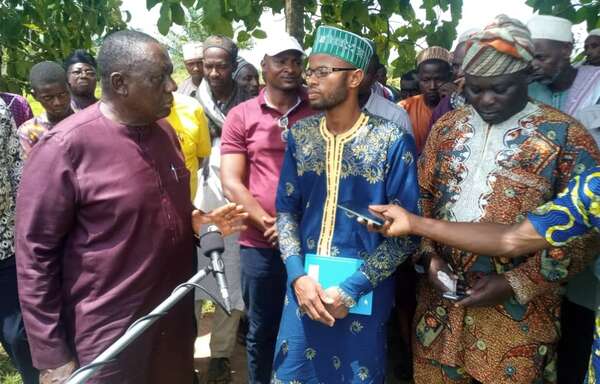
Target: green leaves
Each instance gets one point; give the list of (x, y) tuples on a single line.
[(151, 4), (391, 24), (164, 20), (259, 34), (36, 30), (242, 7), (243, 36), (177, 14), (577, 11)]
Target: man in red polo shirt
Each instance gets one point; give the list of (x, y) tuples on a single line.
[(252, 149)]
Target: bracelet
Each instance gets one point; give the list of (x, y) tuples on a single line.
[(347, 300)]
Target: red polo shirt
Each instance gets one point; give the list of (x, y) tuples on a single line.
[(254, 129)]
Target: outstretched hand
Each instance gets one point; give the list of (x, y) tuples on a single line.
[(229, 218)]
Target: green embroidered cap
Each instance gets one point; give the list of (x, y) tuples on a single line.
[(345, 45)]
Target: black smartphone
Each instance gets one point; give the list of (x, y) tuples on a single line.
[(361, 213)]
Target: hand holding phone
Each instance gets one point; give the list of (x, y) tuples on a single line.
[(361, 213)]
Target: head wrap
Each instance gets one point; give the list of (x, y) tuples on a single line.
[(223, 42), (345, 45), (467, 34), (192, 51), (502, 47), (594, 32), (241, 63), (550, 28), (433, 53)]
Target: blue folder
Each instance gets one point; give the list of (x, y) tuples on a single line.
[(331, 271)]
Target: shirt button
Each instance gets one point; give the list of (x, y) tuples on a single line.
[(481, 345)]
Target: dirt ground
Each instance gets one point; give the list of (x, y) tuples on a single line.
[(238, 361)]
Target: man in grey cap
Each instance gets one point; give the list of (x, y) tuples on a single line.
[(218, 94), (252, 152)]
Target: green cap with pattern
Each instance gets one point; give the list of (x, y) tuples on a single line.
[(345, 45)]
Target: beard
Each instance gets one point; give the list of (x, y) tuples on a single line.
[(333, 99)]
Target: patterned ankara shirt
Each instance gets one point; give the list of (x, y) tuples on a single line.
[(471, 171), (10, 171), (574, 212), (19, 107)]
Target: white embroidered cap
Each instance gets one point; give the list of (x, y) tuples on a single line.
[(550, 28), (192, 51)]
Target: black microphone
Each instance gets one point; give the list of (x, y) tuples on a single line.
[(213, 246)]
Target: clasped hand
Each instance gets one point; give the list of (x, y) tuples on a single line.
[(319, 305)]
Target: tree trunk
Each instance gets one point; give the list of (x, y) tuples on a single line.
[(294, 18)]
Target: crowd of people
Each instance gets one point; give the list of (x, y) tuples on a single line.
[(103, 201)]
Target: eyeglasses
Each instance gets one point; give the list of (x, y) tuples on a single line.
[(321, 72), (87, 72)]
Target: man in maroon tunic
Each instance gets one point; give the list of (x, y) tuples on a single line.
[(104, 227)]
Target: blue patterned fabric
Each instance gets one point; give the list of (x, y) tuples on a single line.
[(574, 212), (372, 163)]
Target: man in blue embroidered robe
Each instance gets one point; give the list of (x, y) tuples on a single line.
[(343, 156)]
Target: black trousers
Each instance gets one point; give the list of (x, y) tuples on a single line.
[(12, 330), (575, 345)]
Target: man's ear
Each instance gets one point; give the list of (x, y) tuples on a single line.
[(118, 83), (355, 78)]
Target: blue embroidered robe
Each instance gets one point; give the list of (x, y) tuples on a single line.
[(372, 163)]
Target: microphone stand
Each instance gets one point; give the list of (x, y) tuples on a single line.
[(141, 324)]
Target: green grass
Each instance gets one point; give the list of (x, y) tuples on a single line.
[(8, 373)]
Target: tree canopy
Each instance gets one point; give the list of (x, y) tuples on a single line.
[(374, 19), (36, 30), (580, 11)]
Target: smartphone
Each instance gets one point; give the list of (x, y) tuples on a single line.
[(454, 296), (361, 213)]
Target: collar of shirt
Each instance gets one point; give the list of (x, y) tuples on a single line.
[(263, 101)]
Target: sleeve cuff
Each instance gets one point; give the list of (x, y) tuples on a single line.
[(518, 286), (294, 266), (357, 285)]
